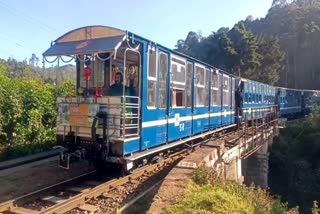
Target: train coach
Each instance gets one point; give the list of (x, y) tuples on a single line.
[(136, 99), (290, 102), (257, 99)]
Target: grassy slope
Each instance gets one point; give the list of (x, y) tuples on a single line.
[(226, 197)]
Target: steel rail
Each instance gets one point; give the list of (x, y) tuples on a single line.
[(81, 199)]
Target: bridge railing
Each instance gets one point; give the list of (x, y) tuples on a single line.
[(257, 130)]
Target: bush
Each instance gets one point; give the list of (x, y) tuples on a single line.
[(295, 162), (225, 197)]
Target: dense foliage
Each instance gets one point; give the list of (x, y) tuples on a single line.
[(295, 162), (282, 48), (27, 108), (208, 196), (238, 51)]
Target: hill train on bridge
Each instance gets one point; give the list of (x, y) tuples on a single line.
[(137, 100)]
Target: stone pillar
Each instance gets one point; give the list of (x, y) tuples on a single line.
[(233, 170), (255, 168)]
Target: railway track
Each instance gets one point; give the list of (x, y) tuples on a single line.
[(86, 195)]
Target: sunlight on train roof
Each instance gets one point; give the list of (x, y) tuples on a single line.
[(86, 40)]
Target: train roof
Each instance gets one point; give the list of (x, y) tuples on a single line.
[(90, 39), (99, 39)]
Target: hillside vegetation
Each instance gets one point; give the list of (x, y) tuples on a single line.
[(204, 195), (27, 108), (282, 48), (295, 162)]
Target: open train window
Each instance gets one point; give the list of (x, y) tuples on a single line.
[(152, 78), (178, 81)]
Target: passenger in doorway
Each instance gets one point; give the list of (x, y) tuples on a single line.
[(116, 89)]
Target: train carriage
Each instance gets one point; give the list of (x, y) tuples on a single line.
[(166, 98), (257, 99), (136, 99), (290, 101)]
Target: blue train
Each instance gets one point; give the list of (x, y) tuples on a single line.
[(137, 99)]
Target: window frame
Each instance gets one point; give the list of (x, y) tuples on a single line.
[(204, 75), (151, 78), (173, 56), (189, 86), (199, 85), (166, 81), (226, 90), (216, 89)]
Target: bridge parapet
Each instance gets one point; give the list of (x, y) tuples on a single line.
[(227, 156)]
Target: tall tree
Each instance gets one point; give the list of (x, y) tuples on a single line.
[(34, 60)]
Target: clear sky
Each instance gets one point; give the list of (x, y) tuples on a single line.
[(28, 26)]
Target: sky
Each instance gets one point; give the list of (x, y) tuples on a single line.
[(29, 26)]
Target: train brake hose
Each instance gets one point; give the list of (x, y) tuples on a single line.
[(101, 149)]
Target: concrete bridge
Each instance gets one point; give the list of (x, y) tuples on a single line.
[(245, 158), (241, 156)]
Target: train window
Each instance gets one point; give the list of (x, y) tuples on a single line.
[(163, 72), (226, 90), (214, 80), (215, 95), (98, 74), (246, 98), (200, 89), (189, 84), (207, 89), (152, 78), (178, 80), (97, 70)]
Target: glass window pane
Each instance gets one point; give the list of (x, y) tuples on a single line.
[(152, 72), (163, 68), (178, 80), (189, 85), (199, 76), (178, 73), (152, 89), (201, 98), (214, 80), (226, 83)]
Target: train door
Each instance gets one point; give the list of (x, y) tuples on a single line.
[(226, 100), (231, 114), (179, 110), (201, 99), (155, 96), (215, 100)]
